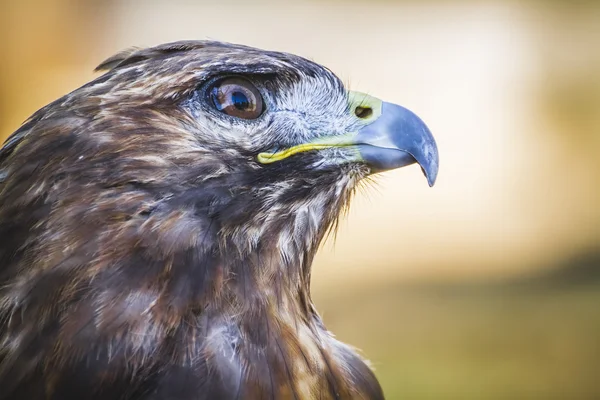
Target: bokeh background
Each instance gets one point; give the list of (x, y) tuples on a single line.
[(486, 286)]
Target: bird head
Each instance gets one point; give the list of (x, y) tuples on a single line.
[(262, 140), (210, 145)]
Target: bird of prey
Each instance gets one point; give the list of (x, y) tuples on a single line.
[(158, 225)]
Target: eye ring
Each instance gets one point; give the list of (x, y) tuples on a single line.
[(236, 97)]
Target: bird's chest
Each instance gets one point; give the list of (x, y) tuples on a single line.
[(268, 358)]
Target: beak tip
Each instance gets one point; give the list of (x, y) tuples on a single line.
[(431, 177), (431, 182), (429, 159), (431, 173)]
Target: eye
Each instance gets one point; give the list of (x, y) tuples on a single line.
[(236, 97)]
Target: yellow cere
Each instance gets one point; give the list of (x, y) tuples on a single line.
[(363, 100)]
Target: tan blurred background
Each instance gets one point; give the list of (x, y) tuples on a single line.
[(486, 286)]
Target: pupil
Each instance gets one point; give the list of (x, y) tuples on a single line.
[(240, 101)]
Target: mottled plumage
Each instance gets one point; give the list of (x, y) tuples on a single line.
[(146, 254)]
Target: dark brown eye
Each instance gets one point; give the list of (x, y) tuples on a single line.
[(236, 97)]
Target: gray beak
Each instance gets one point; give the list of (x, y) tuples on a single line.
[(398, 138)]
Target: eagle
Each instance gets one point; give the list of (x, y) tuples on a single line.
[(158, 225)]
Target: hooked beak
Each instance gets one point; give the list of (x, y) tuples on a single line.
[(396, 139), (391, 137)]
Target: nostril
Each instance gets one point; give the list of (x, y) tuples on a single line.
[(363, 112)]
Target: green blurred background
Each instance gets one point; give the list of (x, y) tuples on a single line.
[(486, 286)]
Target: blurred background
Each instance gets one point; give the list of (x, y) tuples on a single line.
[(486, 286)]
